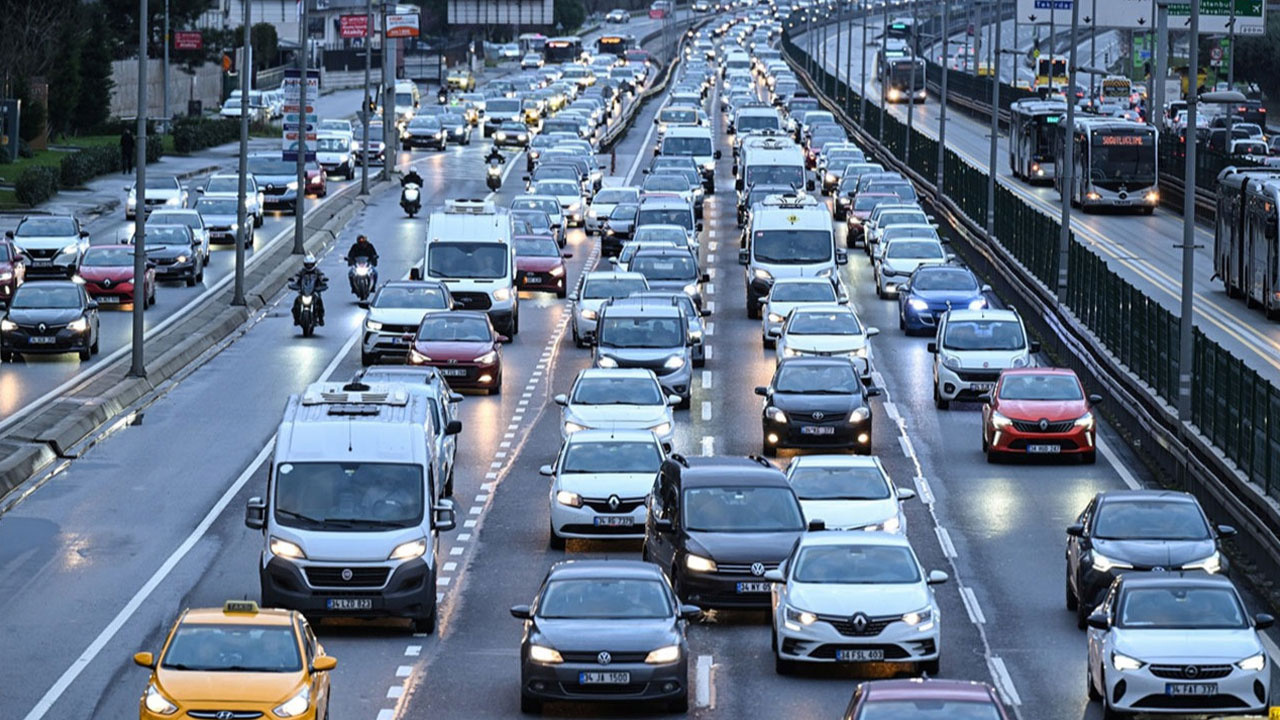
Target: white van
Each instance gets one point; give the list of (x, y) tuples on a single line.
[(772, 161), (972, 347), (787, 238), (694, 142), (351, 517), (469, 249), (336, 154), (406, 100)]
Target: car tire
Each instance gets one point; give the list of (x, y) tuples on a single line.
[(782, 667), (769, 450), (554, 541), (1089, 458), (577, 339), (530, 706), (85, 354), (367, 359), (1094, 695), (1082, 613), (448, 484), (1072, 602), (93, 349), (768, 342), (753, 306), (6, 355), (257, 220), (562, 293), (1110, 713), (191, 281), (938, 401)]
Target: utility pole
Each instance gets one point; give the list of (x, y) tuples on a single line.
[(1231, 70), (165, 80), (244, 226), (137, 365), (884, 29), (1186, 336), (862, 92), (1065, 172), (995, 126), (366, 112), (835, 69), (299, 236), (1093, 49), (942, 105), (848, 62), (911, 84), (1162, 62), (389, 130)]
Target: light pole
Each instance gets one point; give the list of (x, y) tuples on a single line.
[(835, 70), (366, 112), (165, 80), (1162, 60), (862, 64), (1064, 233), (995, 126), (911, 84), (389, 130), (848, 63), (1186, 338), (243, 227), (942, 105), (299, 237), (1093, 48), (880, 73), (137, 366)]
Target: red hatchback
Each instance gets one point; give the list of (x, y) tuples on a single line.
[(13, 269), (317, 183), (107, 272), (463, 347), (1039, 411), (924, 699), (540, 264)]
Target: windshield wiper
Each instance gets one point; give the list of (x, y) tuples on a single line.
[(365, 522), (299, 516)]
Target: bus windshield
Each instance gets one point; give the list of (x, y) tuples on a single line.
[(1128, 158)]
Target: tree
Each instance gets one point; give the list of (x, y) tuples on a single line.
[(1258, 58), (262, 37), (570, 14), (123, 18), (30, 29), (93, 102)]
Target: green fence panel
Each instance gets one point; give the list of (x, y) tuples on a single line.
[(1273, 443)]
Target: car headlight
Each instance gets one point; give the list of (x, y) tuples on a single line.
[(951, 361), (283, 548), (831, 178), (890, 525), (775, 318), (1021, 361), (417, 357), (709, 165), (690, 289), (855, 220), (697, 563), (487, 358), (295, 705), (917, 305), (998, 421), (800, 616), (372, 325), (8, 325), (410, 550), (173, 201), (860, 414), (292, 185), (675, 362), (502, 136), (572, 499), (1102, 563), (1124, 662), (182, 259), (1085, 421), (158, 703), (556, 271), (606, 362), (589, 314), (545, 655), (918, 617), (502, 294), (977, 304), (775, 414), (1211, 564), (79, 325), (760, 274), (845, 200), (663, 655), (1253, 662)]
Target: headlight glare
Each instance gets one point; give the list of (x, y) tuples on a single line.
[(1102, 563), (919, 616), (663, 655), (372, 325), (859, 415), (78, 325), (1124, 662), (1253, 662), (284, 548), (571, 499), (675, 362), (917, 304), (606, 362), (8, 325), (545, 655), (502, 294), (697, 563), (801, 616), (410, 550), (775, 414), (487, 358), (158, 703)]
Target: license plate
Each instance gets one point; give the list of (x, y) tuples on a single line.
[(400, 341), (604, 678), (107, 299), (453, 372), (1191, 688), (618, 521), (350, 604), (1044, 449), (860, 655), (532, 277), (754, 587), (42, 263), (817, 430), (982, 387), (43, 340)]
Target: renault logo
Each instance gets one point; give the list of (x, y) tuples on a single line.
[(859, 622), (818, 415), (1157, 569), (347, 574), (1044, 424), (106, 282), (614, 502), (42, 327), (757, 569), (604, 658)]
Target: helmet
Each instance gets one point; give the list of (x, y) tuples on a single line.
[(361, 238), (309, 262)]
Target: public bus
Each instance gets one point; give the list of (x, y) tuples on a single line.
[(1032, 127), (901, 83), (615, 44), (1245, 253), (567, 49), (532, 43), (1113, 164), (1117, 88), (900, 29), (888, 53), (1051, 72), (660, 9)]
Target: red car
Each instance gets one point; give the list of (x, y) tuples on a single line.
[(317, 184), (107, 272), (540, 264), (463, 347), (1039, 411), (13, 269), (900, 699), (863, 204)]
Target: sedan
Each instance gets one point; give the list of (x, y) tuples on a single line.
[(617, 399), (548, 205), (540, 264), (934, 289), (395, 312), (569, 194), (51, 317), (1039, 411), (161, 191), (826, 331), (601, 631), (457, 127), (848, 492), (463, 346), (13, 269), (425, 131), (599, 484), (674, 269), (597, 287), (1177, 642), (617, 16), (220, 217), (816, 402), (901, 256), (787, 294), (604, 202), (184, 216), (229, 186), (176, 254), (943, 699), (107, 272), (531, 61), (619, 228)]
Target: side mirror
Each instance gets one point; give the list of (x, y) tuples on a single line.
[(704, 277), (566, 255), (690, 612), (932, 347), (873, 331), (762, 390), (199, 191), (255, 513), (716, 155), (1099, 621), (774, 576), (1095, 399), (525, 178), (874, 392), (455, 397), (453, 428), (144, 659), (445, 516), (842, 257), (985, 398), (809, 185), (546, 470), (1226, 531), (93, 305), (415, 273), (1261, 621), (985, 289), (324, 663), (521, 612), (663, 525), (1076, 530), (573, 297), (1035, 347), (504, 339), (705, 313), (905, 493), (744, 258), (84, 233), (151, 264), (937, 577), (698, 226), (674, 400), (561, 399)]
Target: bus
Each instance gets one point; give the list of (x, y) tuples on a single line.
[(615, 44), (1113, 164), (900, 29), (1245, 254), (532, 43), (1032, 125), (567, 49), (1051, 72), (1118, 89), (889, 52), (901, 83), (660, 9)]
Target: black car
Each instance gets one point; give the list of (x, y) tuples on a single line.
[(718, 524), (457, 127), (604, 630), (509, 133), (1124, 531), (618, 228), (278, 180), (816, 402), (176, 252), (425, 131), (51, 317)]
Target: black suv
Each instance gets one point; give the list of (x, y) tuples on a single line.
[(718, 524)]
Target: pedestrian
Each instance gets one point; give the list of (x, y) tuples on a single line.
[(127, 150)]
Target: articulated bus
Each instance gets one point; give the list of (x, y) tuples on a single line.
[(567, 49), (615, 44), (1245, 253), (1051, 72), (900, 81), (1113, 164), (900, 29), (1032, 127)]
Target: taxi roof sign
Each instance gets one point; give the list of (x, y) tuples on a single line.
[(240, 606)]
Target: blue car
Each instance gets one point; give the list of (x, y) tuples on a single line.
[(934, 289)]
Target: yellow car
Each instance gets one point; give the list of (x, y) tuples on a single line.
[(237, 661), (461, 79)]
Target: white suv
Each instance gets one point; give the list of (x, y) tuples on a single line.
[(600, 481), (617, 399), (971, 349)]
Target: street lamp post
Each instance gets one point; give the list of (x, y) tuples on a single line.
[(881, 69), (165, 93), (137, 365), (1162, 58), (1186, 337), (995, 125), (862, 64), (942, 104), (366, 112), (911, 84), (243, 227), (1065, 172), (1093, 48), (299, 236)]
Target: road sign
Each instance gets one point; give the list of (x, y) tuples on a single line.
[(1111, 13), (405, 25), (353, 26), (1215, 14), (184, 40), (293, 112)]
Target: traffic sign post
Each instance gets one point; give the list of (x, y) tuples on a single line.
[(295, 116), (1216, 15), (1108, 14)]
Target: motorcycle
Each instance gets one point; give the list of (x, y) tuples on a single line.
[(363, 278), (304, 307), (411, 199), (494, 176)]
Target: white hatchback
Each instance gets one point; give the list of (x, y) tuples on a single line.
[(617, 399), (827, 331), (600, 481), (787, 294)]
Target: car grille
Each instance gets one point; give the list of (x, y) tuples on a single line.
[(594, 655), (1033, 426), (828, 416), (225, 714), (631, 689), (389, 329), (742, 568), (360, 576), (983, 375), (472, 300), (844, 625), (274, 189), (625, 505), (42, 254), (35, 329), (155, 201), (1191, 672)]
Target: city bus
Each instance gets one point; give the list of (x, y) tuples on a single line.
[(567, 49), (1117, 88), (615, 44), (1245, 254), (1051, 72), (900, 29), (1032, 125), (532, 43), (1113, 164), (901, 83)]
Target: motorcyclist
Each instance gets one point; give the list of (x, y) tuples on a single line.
[(495, 155), (411, 178), (310, 269), (362, 248)]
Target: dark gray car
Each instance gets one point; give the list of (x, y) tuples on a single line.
[(604, 630)]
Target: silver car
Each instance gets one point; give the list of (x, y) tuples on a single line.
[(595, 289), (617, 399)]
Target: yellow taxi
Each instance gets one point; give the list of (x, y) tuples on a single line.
[(237, 661), (460, 78)]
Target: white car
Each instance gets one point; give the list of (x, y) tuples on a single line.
[(532, 61), (229, 186), (548, 204), (971, 349), (162, 191), (395, 312), (597, 287), (617, 399), (787, 294), (666, 234), (335, 152), (830, 330), (850, 597), (599, 485), (848, 492), (1177, 642), (231, 111), (334, 126), (54, 244), (568, 194), (184, 216), (605, 200), (885, 215), (906, 247)]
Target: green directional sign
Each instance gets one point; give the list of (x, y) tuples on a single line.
[(1216, 14)]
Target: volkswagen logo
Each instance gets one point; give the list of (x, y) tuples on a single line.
[(42, 327), (1191, 671), (604, 658), (347, 574), (819, 415), (859, 622), (757, 569), (225, 715), (1044, 424), (614, 502)]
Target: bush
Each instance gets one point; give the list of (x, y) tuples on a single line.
[(193, 134), (80, 167), (36, 184), (155, 147)]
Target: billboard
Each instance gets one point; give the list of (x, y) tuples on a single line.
[(297, 119), (400, 26), (501, 12), (353, 26), (1216, 14), (1137, 14), (184, 40)]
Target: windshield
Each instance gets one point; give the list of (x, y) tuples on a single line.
[(102, 257), (905, 192), (826, 379), (661, 216), (404, 99), (927, 709), (914, 249), (742, 509), (669, 235), (162, 183), (448, 327), (824, 323), (803, 292), (537, 247), (168, 235), (46, 227), (40, 295), (747, 123), (984, 335), (665, 267), (1182, 608), (348, 495), (897, 232), (627, 213), (272, 166), (840, 160), (1060, 388), (557, 187), (861, 564), (604, 288), (791, 175), (504, 106), (332, 145), (1123, 157), (425, 122), (547, 205), (641, 332), (617, 391), (217, 206), (867, 203), (4, 253), (614, 197), (535, 218), (335, 126), (600, 599), (793, 246), (888, 218), (952, 280), (233, 648), (225, 185), (191, 220), (611, 457), (460, 260), (667, 182), (1150, 520), (839, 483), (687, 146), (429, 297), (678, 115)]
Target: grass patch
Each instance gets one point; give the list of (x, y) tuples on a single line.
[(9, 172)]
